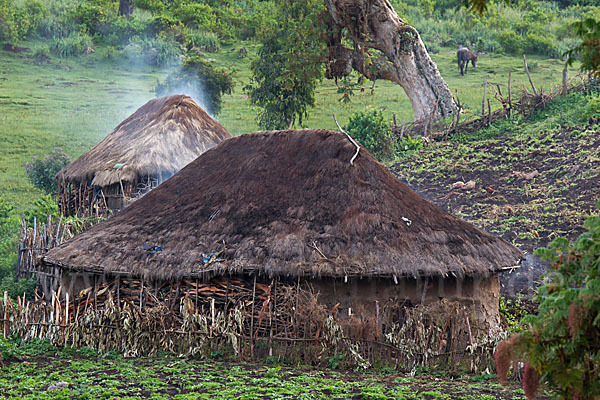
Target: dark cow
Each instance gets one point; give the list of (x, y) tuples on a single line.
[(465, 55)]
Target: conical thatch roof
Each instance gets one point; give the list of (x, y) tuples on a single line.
[(285, 203), (162, 136)]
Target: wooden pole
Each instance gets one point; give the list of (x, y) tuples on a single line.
[(176, 295), (252, 319), (141, 292), (273, 310), (5, 316), (565, 78), (484, 95), (119, 291), (226, 293), (509, 93), (196, 301), (529, 76)]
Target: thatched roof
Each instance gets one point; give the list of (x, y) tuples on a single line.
[(285, 203), (162, 136)]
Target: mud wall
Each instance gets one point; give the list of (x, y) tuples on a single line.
[(358, 296)]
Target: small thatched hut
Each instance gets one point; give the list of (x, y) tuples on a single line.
[(148, 147), (290, 205)]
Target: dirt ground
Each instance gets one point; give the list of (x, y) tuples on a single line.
[(527, 187)]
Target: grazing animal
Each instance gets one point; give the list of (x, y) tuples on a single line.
[(464, 55)]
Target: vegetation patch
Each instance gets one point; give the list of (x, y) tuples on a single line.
[(81, 374), (527, 181)]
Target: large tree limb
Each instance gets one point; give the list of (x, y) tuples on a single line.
[(386, 47)]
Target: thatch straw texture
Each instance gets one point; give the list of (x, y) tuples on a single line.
[(161, 137), (285, 203)]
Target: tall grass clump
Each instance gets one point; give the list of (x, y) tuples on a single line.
[(161, 51), (205, 41), (76, 43)]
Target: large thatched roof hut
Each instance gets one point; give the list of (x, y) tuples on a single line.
[(289, 204), (156, 141)]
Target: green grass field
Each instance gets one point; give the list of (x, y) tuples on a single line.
[(73, 103)]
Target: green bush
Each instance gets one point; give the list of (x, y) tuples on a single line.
[(511, 42), (41, 208), (73, 45), (372, 130), (196, 15), (165, 22), (198, 76), (562, 342), (119, 30), (9, 234), (42, 172), (539, 44), (592, 108), (156, 6), (283, 97), (588, 30), (18, 19), (90, 16)]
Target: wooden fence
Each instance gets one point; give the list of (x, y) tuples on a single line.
[(523, 103), (36, 240), (250, 319)]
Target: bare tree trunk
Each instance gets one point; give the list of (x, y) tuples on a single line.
[(386, 47), (126, 7)]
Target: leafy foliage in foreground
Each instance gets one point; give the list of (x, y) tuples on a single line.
[(90, 376), (562, 342), (589, 49)]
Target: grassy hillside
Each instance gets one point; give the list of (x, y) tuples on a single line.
[(74, 102)]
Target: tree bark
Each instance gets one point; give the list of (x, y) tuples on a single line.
[(386, 47), (126, 7)]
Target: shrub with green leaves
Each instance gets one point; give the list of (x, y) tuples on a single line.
[(42, 172), (19, 18), (9, 234), (41, 208), (283, 96), (198, 76), (373, 131), (561, 344), (588, 30)]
